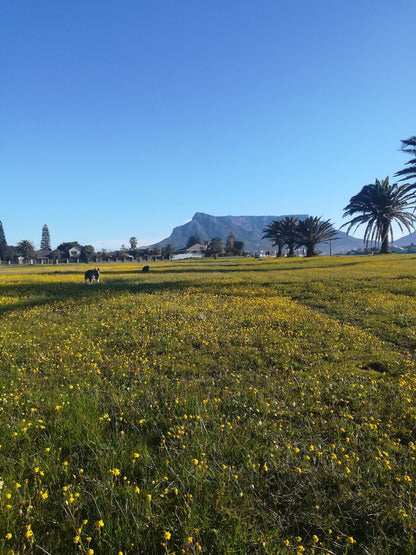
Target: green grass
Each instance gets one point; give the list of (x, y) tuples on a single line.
[(230, 406)]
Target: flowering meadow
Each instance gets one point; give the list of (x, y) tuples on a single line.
[(224, 407)]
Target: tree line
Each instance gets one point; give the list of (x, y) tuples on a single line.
[(26, 249)]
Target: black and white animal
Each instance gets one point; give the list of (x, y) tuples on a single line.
[(145, 269), (92, 275)]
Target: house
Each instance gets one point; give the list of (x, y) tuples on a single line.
[(74, 253), (195, 251), (42, 257)]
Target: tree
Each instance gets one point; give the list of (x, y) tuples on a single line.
[(230, 244), (3, 243), (238, 248), (87, 253), (45, 242), (168, 251), (103, 254), (133, 243), (312, 231), (289, 230), (215, 247), (409, 147), (193, 240), (379, 205), (10, 253), (155, 251), (274, 232), (283, 232), (25, 248), (56, 254)]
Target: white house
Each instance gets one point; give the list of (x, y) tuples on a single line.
[(195, 251), (74, 252)]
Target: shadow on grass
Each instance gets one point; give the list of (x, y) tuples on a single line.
[(37, 295)]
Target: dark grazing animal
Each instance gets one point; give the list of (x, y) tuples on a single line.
[(145, 269), (92, 275)]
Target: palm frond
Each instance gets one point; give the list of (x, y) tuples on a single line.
[(379, 205), (408, 147)]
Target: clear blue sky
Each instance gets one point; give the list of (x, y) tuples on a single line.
[(124, 118)]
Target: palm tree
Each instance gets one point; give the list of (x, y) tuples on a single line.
[(290, 233), (409, 147), (133, 243), (312, 231), (379, 205), (25, 248), (274, 232)]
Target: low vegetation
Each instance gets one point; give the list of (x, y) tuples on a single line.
[(230, 406)]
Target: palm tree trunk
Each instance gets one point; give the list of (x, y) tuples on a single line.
[(310, 250), (385, 241), (385, 245)]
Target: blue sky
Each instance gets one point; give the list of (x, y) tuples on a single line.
[(124, 118)]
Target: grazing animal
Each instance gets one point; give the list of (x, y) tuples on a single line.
[(145, 269), (92, 275)]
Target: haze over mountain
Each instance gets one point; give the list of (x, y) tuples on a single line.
[(248, 229)]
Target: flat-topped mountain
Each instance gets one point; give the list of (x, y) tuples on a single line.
[(248, 229)]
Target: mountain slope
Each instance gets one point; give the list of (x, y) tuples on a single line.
[(406, 240)]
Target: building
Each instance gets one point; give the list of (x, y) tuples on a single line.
[(195, 251), (74, 253)]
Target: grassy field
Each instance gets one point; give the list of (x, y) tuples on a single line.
[(230, 406)]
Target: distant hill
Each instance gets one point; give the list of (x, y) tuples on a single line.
[(248, 229), (406, 240)]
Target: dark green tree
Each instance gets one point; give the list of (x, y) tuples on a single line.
[(168, 251), (378, 205), (311, 231), (45, 242), (3, 243), (193, 240), (104, 255), (215, 247), (408, 147), (274, 232), (289, 227), (10, 253), (238, 248), (87, 253), (26, 249), (229, 245)]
